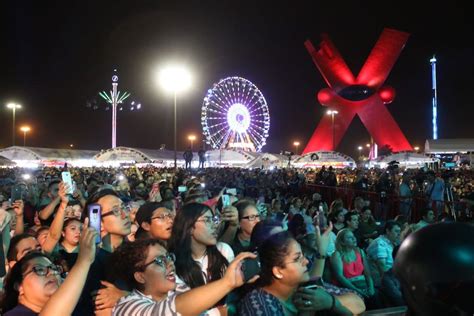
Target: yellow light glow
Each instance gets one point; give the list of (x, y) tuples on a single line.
[(174, 78)]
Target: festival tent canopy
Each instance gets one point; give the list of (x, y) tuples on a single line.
[(318, 159), (268, 160), (449, 146), (404, 159), (124, 155), (229, 158), (30, 156), (5, 162)]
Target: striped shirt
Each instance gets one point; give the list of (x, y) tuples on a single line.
[(137, 303)]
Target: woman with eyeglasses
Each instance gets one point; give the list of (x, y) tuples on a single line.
[(148, 268), (249, 216), (284, 268), (199, 257), (33, 286), (154, 220)]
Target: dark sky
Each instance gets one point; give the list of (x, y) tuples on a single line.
[(57, 55)]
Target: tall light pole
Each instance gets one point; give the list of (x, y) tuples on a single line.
[(25, 129), (434, 98), (332, 113), (192, 138), (296, 144), (13, 107), (175, 79)]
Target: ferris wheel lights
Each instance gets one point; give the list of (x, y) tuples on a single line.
[(174, 78)]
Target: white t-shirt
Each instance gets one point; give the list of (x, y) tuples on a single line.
[(227, 252)]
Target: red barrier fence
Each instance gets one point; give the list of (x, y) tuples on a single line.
[(388, 206)]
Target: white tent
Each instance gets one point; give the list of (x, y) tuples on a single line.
[(405, 159), (449, 146), (229, 158), (128, 155), (318, 159), (5, 162), (34, 156), (267, 160)]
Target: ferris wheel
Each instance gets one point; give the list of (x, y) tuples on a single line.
[(235, 115)]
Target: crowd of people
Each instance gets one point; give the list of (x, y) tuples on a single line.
[(170, 243)]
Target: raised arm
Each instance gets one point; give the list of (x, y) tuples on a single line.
[(18, 208), (45, 213), (322, 242), (197, 300), (54, 233), (66, 297)]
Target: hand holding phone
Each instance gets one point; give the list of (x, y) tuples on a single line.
[(66, 177), (95, 211), (250, 267), (225, 200)]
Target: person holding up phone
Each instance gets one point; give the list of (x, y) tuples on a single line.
[(34, 285), (149, 269), (248, 218), (283, 268)]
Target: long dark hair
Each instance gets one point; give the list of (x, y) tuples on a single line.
[(180, 243), (13, 280), (272, 244)]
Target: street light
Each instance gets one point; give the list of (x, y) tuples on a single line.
[(192, 138), (416, 148), (360, 149), (13, 107), (296, 144), (332, 113), (367, 145), (25, 129), (175, 79)]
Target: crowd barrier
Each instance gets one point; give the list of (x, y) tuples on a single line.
[(387, 206)]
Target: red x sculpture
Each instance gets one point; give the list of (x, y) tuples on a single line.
[(364, 95)]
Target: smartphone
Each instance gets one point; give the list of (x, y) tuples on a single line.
[(312, 284), (66, 177), (182, 188), (250, 268), (94, 219), (232, 191), (17, 193), (225, 200)]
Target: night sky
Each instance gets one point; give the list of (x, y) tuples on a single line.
[(56, 56)]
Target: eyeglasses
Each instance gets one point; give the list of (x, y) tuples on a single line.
[(251, 218), (298, 259), (210, 220), (163, 217), (163, 260), (118, 210), (42, 271)]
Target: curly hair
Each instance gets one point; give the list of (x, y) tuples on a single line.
[(130, 258)]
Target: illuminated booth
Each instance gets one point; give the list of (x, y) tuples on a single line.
[(318, 159)]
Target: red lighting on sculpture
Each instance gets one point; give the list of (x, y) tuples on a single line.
[(363, 96)]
